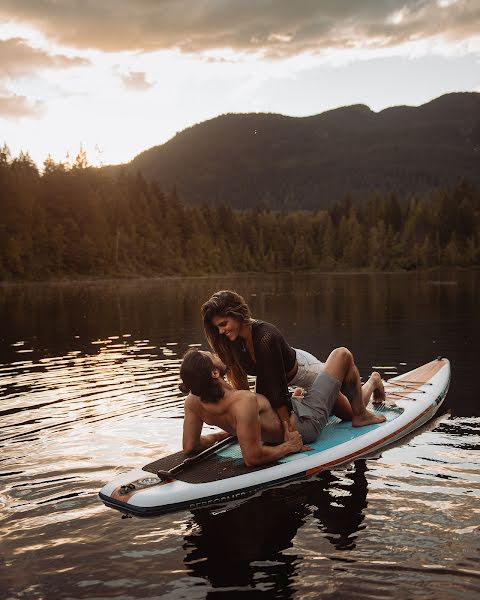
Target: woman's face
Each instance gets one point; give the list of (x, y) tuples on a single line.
[(227, 326)]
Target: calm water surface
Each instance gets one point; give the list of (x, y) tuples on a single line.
[(88, 380)]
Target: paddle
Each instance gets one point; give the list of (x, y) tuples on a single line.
[(191, 460)]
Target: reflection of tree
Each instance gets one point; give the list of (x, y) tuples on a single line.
[(226, 548)]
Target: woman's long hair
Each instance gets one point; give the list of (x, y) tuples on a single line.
[(226, 303)]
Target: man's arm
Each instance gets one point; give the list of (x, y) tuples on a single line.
[(193, 441), (249, 435)]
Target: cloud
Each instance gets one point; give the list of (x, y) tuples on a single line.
[(17, 57), (273, 27), (136, 81), (13, 106)]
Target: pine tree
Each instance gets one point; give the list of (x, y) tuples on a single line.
[(328, 245)]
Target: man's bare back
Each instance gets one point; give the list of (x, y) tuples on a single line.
[(236, 404)]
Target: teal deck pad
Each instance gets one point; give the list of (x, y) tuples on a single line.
[(334, 434)]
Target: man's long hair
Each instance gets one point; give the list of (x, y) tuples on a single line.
[(226, 303), (196, 374)]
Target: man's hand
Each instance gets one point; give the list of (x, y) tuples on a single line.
[(292, 439)]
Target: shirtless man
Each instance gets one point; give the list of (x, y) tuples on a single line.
[(250, 416)]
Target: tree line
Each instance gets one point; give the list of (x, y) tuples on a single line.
[(73, 220)]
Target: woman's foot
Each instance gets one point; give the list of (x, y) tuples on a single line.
[(378, 389)]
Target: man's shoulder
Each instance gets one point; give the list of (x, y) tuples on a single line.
[(191, 401), (244, 395), (243, 399), (244, 406)]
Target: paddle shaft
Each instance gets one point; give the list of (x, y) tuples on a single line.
[(197, 458)]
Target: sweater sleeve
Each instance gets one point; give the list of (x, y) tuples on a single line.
[(271, 369)]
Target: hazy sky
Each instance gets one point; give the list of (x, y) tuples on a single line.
[(120, 76)]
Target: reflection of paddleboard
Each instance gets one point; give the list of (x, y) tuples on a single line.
[(222, 476)]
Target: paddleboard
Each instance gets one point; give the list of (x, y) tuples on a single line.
[(413, 398)]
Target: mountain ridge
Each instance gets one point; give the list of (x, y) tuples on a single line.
[(276, 161)]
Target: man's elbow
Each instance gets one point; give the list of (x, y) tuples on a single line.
[(189, 448), (252, 459)]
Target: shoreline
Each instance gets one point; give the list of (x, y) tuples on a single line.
[(242, 274)]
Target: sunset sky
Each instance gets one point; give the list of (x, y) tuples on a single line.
[(120, 76)]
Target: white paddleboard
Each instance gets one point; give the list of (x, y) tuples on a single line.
[(412, 399)]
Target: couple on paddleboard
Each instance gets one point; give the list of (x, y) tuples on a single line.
[(269, 423)]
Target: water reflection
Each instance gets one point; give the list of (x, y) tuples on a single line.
[(343, 516), (244, 545)]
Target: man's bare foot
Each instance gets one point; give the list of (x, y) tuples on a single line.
[(368, 418), (378, 389)]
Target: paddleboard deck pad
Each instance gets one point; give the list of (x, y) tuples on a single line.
[(412, 399)]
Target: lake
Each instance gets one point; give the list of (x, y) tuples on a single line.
[(89, 376)]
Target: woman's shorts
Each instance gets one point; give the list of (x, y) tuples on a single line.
[(309, 368)]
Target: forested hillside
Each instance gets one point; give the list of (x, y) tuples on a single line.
[(74, 220), (286, 163)]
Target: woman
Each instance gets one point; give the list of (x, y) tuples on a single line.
[(251, 347)]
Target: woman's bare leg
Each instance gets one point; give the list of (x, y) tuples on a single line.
[(374, 386)]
